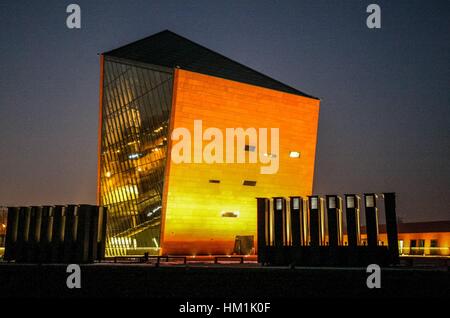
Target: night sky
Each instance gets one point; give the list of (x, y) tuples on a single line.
[(385, 111)]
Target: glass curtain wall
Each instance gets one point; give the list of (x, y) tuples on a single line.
[(135, 118)]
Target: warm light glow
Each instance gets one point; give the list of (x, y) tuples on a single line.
[(108, 174), (294, 154), (133, 156), (270, 155), (120, 194)]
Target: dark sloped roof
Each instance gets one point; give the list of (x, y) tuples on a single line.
[(172, 50)]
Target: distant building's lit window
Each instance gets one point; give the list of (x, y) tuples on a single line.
[(400, 246), (434, 247), (249, 183), (413, 247), (294, 154), (421, 247)]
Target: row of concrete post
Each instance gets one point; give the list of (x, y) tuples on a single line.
[(299, 222), (56, 234)]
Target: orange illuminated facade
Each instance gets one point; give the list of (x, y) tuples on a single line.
[(155, 86), (193, 207)]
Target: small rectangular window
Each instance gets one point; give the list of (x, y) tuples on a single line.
[(421, 247), (250, 148), (230, 214), (434, 247), (294, 154), (214, 181), (249, 183), (413, 247)]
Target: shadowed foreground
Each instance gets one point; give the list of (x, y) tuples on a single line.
[(108, 280)]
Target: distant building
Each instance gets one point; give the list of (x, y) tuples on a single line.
[(419, 238)]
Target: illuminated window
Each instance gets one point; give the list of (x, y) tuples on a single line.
[(434, 247), (294, 154), (421, 247), (400, 246), (413, 247), (249, 183)]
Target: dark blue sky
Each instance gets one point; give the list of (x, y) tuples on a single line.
[(385, 112)]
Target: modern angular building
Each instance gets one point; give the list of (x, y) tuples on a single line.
[(164, 82)]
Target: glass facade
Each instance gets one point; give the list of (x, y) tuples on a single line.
[(136, 103), (3, 224)]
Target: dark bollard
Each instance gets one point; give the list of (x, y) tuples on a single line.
[(58, 231), (334, 220), (279, 224), (391, 226), (371, 219), (101, 238), (93, 234), (296, 217), (11, 234), (263, 229), (353, 223), (83, 230), (23, 234), (315, 220), (46, 234), (70, 233), (34, 236)]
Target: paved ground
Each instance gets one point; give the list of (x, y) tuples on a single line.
[(219, 281)]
